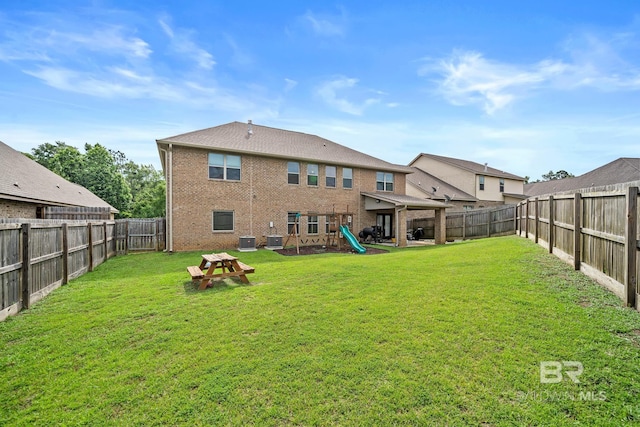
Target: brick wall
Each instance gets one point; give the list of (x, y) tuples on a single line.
[(15, 209), (260, 197)]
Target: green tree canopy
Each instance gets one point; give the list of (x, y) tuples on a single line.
[(135, 190)]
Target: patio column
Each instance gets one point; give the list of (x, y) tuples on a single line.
[(440, 233), (401, 227)]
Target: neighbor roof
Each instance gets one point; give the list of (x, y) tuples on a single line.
[(426, 182), (624, 169), (272, 142), (470, 166), (25, 180)]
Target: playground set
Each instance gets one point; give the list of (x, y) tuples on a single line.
[(339, 223)]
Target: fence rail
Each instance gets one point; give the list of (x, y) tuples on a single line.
[(595, 231), (38, 256)]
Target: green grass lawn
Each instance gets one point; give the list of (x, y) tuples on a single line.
[(440, 335)]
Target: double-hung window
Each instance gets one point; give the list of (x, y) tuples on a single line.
[(384, 181), (347, 178), (481, 182), (312, 174), (330, 172), (502, 185), (293, 173), (224, 166), (312, 224)]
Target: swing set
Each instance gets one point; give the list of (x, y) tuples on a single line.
[(335, 220)]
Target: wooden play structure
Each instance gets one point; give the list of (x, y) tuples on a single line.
[(335, 221)]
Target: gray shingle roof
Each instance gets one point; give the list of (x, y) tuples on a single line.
[(470, 166), (624, 169), (272, 142), (404, 200), (25, 180), (425, 182)]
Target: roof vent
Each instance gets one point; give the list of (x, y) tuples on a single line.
[(485, 166), (16, 184), (249, 128)]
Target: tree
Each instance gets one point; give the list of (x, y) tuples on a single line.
[(148, 189), (101, 176), (135, 190), (561, 174)]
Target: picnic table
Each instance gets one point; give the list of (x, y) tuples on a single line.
[(228, 266)]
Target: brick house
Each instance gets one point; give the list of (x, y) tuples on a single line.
[(28, 189), (241, 179)]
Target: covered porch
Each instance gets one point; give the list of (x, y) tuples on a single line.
[(391, 214)]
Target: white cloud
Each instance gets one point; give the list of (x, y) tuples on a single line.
[(603, 62), (182, 44), (328, 91), (468, 78), (326, 25), (289, 84)]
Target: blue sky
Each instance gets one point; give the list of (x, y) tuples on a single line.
[(526, 86)]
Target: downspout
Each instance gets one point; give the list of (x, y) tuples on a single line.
[(404, 208), (170, 198)]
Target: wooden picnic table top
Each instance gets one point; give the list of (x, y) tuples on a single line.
[(223, 256)]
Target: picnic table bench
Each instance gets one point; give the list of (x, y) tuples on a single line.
[(229, 267)]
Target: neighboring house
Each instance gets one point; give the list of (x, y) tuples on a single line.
[(27, 188), (467, 184), (624, 169), (242, 179), (424, 185)]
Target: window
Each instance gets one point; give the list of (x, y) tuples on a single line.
[(291, 222), (481, 181), (293, 173), (347, 178), (384, 181), (222, 220), (312, 224), (502, 185), (312, 174), (224, 166), (330, 171)]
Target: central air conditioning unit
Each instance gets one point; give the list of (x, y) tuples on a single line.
[(274, 242), (247, 244)]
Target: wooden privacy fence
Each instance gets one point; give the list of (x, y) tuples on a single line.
[(475, 224), (38, 256), (140, 234), (596, 231)]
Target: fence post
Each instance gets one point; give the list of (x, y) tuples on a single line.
[(26, 266), (464, 225), (577, 229), (489, 212), (526, 220), (630, 243), (537, 220), (90, 238), (65, 253), (126, 237), (156, 236), (551, 226), (106, 245)]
